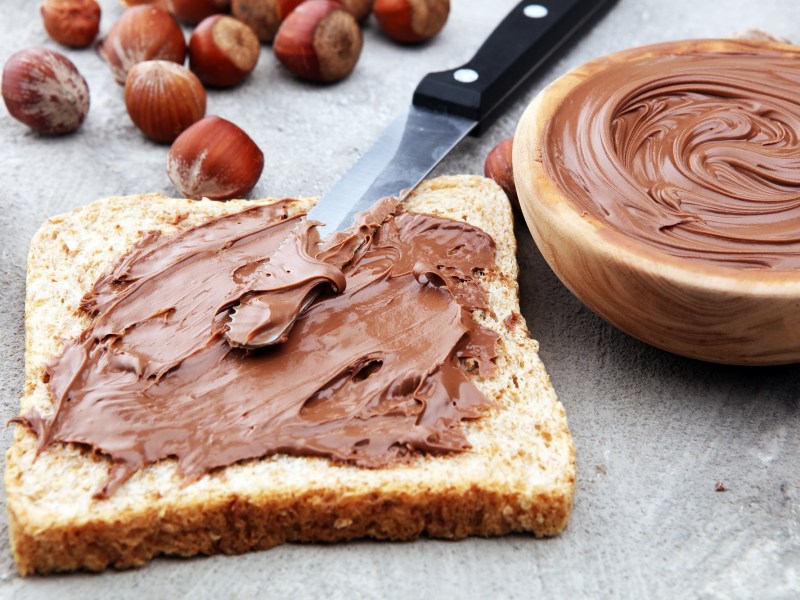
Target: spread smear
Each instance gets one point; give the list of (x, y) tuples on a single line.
[(371, 374)]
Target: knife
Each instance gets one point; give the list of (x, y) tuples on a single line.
[(448, 105)]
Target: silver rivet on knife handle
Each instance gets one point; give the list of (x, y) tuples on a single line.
[(535, 11), (466, 75)]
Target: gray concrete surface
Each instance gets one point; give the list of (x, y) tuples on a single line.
[(654, 432)]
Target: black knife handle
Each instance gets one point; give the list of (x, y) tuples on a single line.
[(514, 51)]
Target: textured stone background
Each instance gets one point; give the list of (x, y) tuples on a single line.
[(654, 432)]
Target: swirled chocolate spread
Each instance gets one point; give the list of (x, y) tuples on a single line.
[(372, 373), (697, 154)]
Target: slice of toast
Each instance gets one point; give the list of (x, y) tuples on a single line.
[(518, 476)]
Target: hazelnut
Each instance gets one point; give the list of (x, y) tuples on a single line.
[(499, 167), (71, 22), (360, 9), (43, 89), (411, 21), (157, 3), (263, 16), (223, 51), (142, 33), (163, 98), (194, 11), (319, 41), (214, 159)]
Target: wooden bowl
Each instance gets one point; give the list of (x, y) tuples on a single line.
[(696, 308)]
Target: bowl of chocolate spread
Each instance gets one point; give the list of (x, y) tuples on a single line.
[(662, 185)]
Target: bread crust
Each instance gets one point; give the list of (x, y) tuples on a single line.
[(519, 476)]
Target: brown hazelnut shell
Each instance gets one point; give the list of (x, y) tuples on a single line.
[(194, 11), (411, 21), (214, 159), (43, 89), (263, 16), (223, 51), (142, 33), (163, 99), (319, 41), (360, 9), (73, 23), (499, 167)]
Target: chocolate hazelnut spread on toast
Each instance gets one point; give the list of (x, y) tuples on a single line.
[(373, 373)]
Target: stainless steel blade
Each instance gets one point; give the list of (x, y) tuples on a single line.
[(398, 161)]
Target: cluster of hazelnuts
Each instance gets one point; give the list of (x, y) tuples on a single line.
[(317, 40)]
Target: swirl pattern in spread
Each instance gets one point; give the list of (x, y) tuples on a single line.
[(697, 154), (372, 376)]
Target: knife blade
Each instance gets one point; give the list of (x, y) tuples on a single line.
[(448, 105)]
